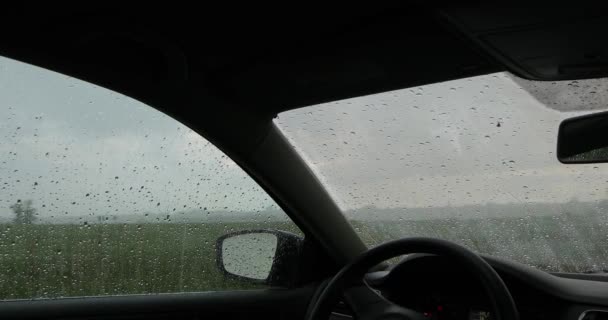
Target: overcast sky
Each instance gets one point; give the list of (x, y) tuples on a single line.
[(78, 149), (74, 148), (465, 142)]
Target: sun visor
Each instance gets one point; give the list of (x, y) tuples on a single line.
[(539, 43)]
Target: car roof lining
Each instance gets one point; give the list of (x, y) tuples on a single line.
[(262, 61), (270, 59)]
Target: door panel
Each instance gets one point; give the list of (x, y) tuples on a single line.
[(246, 304)]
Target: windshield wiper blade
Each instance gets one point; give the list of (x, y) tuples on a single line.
[(595, 271)]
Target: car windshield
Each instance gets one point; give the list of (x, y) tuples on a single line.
[(471, 160)]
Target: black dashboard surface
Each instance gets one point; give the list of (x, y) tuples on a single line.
[(443, 290)]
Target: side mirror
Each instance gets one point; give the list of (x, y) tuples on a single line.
[(583, 139), (268, 257)]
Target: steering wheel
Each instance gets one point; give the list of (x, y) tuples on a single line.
[(375, 307)]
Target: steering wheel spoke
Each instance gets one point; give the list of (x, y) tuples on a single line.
[(367, 304)]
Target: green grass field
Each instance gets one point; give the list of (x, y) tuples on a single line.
[(558, 243), (43, 260), (49, 261)]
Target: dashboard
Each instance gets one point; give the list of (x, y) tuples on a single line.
[(441, 290)]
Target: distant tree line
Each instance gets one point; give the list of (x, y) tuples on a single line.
[(24, 212)]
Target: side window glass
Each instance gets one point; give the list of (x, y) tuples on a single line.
[(103, 195)]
